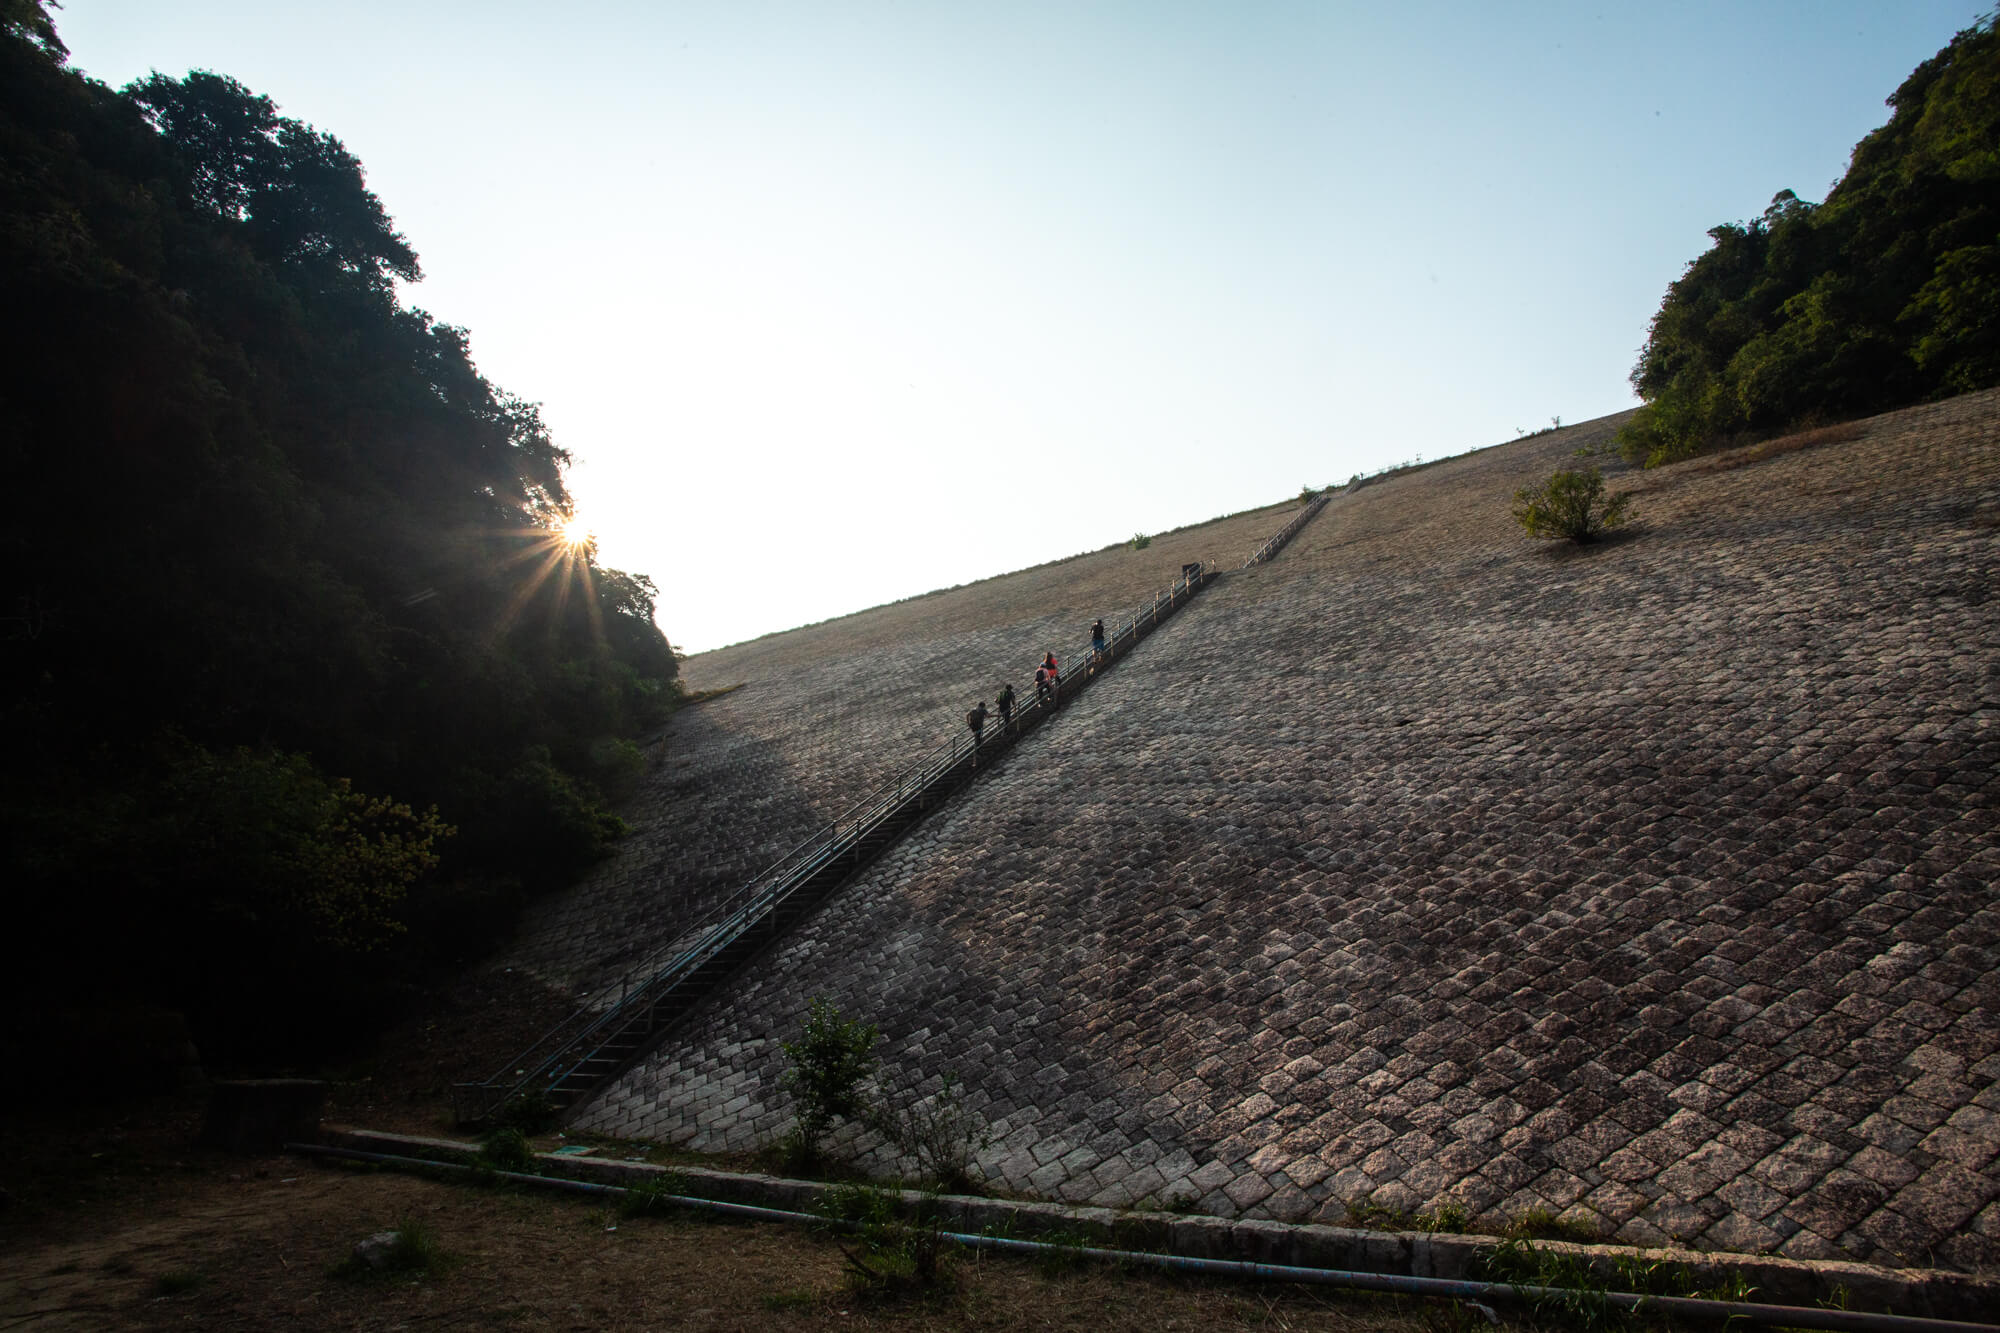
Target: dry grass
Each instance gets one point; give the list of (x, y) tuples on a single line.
[(174, 1239), (1730, 459)]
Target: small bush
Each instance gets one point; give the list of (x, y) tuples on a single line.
[(830, 1062), (894, 1258), (1140, 541), (616, 765), (1374, 1217), (1307, 495), (868, 1205), (943, 1134), (1572, 1290), (506, 1149), (1571, 505), (412, 1248), (417, 1249), (1543, 1224), (1448, 1218), (654, 1197)]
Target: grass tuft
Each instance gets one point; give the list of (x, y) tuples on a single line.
[(653, 1197)]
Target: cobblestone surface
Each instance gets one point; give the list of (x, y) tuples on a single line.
[(825, 714), (1653, 884)]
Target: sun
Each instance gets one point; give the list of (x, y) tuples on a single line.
[(574, 533)]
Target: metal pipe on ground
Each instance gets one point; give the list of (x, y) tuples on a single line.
[(1789, 1316)]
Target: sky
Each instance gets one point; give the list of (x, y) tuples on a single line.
[(841, 302)]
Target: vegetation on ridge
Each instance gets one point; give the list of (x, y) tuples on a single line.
[(1886, 294), (305, 688)]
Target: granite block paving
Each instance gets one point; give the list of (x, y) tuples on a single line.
[(824, 714), (1653, 884)]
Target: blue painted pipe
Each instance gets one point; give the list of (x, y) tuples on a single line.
[(1791, 1316)]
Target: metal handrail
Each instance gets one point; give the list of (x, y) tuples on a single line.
[(1286, 533), (545, 1062)]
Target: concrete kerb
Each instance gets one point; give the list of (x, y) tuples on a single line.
[(1930, 1292)]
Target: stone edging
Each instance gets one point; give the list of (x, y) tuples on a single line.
[(1933, 1293)]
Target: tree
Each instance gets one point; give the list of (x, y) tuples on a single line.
[(301, 194), (830, 1062), (29, 19), (281, 544), (1881, 296)]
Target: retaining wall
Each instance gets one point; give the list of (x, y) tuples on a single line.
[(1651, 884), (826, 713)]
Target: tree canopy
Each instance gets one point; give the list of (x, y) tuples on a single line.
[(304, 690), (1888, 293)]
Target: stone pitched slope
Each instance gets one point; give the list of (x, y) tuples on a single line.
[(1652, 883), (825, 713)]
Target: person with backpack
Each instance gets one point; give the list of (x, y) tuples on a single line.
[(1096, 644), (976, 719), (1055, 679), (1006, 701)]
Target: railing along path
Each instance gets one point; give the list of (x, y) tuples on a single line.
[(595, 1044), (1286, 533)]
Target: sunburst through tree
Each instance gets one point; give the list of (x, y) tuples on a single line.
[(563, 554)]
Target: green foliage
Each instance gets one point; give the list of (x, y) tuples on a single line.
[(1307, 495), (298, 192), (896, 1256), (1544, 1224), (29, 20), (1065, 1253), (1375, 1217), (1448, 1218), (943, 1134), (267, 845), (1570, 504), (1885, 294), (1573, 1290), (1140, 541), (300, 590), (417, 1249), (832, 1060), (654, 1197), (507, 1149), (862, 1204), (414, 1252)]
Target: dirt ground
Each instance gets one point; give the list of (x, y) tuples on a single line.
[(110, 1218), (111, 1221)]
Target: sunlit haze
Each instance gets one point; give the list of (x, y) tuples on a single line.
[(839, 303)]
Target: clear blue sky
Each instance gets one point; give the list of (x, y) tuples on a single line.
[(926, 292)]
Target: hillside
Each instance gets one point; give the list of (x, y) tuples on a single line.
[(1651, 884)]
